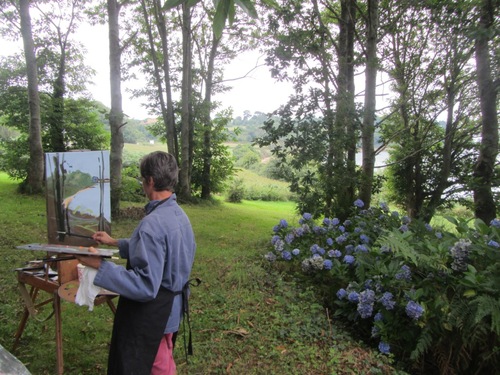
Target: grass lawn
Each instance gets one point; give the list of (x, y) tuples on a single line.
[(245, 318)]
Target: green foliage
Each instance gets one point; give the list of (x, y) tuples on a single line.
[(83, 130), (236, 191), (428, 296)]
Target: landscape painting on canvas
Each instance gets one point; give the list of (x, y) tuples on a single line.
[(78, 196)]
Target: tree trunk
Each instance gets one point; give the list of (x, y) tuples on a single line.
[(207, 122), (186, 120), (34, 180), (57, 113), (484, 169), (368, 128), (116, 112), (345, 120)]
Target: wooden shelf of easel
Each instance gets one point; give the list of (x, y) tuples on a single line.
[(41, 279)]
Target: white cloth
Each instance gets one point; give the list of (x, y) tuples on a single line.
[(87, 291)]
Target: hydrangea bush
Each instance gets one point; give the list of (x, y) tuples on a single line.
[(423, 294)]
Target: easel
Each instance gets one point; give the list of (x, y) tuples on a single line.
[(63, 287)]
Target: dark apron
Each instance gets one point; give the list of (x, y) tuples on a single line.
[(137, 331)]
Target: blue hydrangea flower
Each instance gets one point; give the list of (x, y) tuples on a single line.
[(428, 227), (342, 228), (384, 207), (307, 216), (299, 232), (495, 223), (384, 347), (439, 235), (361, 248), (359, 203), (414, 310), (334, 254), (387, 301), (286, 255), (378, 317), (326, 221), (341, 293), (347, 223), (327, 264), (404, 273), (275, 239), (405, 220), (341, 239), (365, 304), (295, 252), (349, 259), (349, 248), (329, 241), (364, 238), (276, 228), (289, 238), (395, 214), (335, 221), (279, 245), (314, 248), (403, 228), (353, 297), (493, 243), (357, 230), (375, 331), (283, 223)]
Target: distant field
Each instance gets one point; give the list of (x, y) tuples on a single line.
[(145, 147)]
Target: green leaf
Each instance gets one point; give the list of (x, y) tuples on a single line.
[(220, 17), (469, 293), (248, 7), (169, 4)]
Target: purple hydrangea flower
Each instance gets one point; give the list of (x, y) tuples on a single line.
[(275, 239), (493, 243), (286, 255), (414, 310), (365, 304)]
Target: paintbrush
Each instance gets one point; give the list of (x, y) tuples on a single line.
[(76, 235)]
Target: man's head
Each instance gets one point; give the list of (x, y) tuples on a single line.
[(162, 168)]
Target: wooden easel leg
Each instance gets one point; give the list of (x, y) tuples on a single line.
[(20, 329), (59, 348)]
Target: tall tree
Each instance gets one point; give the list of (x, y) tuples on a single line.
[(34, 181), (368, 127), (116, 112), (484, 202)]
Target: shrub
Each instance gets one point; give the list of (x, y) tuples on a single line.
[(430, 297), (236, 191)]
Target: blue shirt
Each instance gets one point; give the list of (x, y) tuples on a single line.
[(160, 252)]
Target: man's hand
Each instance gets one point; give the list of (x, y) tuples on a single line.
[(104, 238), (89, 260)]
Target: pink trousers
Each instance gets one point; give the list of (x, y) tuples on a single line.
[(164, 363)]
